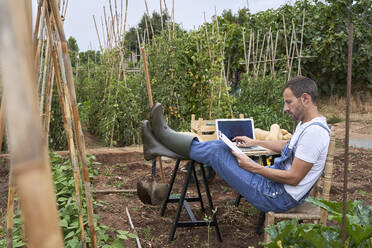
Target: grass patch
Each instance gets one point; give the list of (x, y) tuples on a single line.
[(334, 119)]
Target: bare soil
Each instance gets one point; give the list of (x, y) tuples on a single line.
[(121, 168)]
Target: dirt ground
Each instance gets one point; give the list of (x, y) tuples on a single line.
[(121, 168)]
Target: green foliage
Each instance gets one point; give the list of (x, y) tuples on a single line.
[(262, 100), (57, 136), (188, 69), (358, 228), (68, 211)]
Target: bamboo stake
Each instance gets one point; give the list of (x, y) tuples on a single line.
[(245, 50), (48, 105), (302, 36), (77, 125), (148, 86), (2, 121), (69, 135), (161, 17), (208, 41), (99, 40), (173, 18), (167, 17), (347, 127), (150, 21), (113, 24), (263, 44), (274, 53), (266, 54), (74, 164), (37, 21), (225, 79), (10, 211), (66, 117), (249, 50), (275, 60), (29, 161), (104, 37), (45, 74), (256, 55), (147, 30), (286, 43)]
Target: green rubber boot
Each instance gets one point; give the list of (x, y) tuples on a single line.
[(151, 147), (177, 142)]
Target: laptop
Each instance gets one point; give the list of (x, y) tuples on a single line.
[(238, 127)]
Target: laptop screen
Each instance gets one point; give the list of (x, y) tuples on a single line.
[(236, 127)]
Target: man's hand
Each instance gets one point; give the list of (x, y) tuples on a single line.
[(244, 141), (245, 162)]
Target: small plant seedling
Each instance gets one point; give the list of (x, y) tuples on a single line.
[(118, 184), (224, 188), (147, 233)]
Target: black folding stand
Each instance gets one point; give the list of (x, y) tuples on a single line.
[(183, 201)]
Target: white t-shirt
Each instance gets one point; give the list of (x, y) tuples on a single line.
[(312, 147)]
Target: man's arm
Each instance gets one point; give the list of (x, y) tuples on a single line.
[(273, 145), (292, 176)]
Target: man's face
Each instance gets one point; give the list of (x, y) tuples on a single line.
[(293, 105)]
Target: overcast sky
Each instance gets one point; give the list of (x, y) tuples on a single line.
[(189, 13)]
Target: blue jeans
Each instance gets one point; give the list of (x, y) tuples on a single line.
[(264, 194)]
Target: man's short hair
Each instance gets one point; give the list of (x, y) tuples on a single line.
[(300, 85)]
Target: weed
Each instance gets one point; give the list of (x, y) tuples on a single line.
[(123, 167), (209, 220), (117, 184), (147, 233), (108, 172), (334, 119), (196, 239), (224, 188)]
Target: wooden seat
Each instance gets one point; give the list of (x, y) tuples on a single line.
[(308, 211)]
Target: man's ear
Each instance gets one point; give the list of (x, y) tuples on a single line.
[(306, 98)]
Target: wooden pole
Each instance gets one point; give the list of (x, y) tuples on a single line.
[(66, 116), (347, 129), (249, 50), (76, 120), (167, 19), (302, 36), (245, 50), (99, 40), (173, 21), (148, 86), (161, 17), (10, 211), (2, 121), (286, 43), (29, 157), (150, 21)]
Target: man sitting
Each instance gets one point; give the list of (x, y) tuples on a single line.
[(276, 188)]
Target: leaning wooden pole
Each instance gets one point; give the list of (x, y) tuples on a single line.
[(76, 120), (2, 121), (29, 157), (70, 141), (347, 127), (10, 211), (148, 85)]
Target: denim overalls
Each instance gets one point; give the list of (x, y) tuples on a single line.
[(264, 194)]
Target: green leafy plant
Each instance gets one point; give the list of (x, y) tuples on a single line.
[(358, 228), (68, 212)]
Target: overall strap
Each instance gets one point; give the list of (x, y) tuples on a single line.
[(311, 124)]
